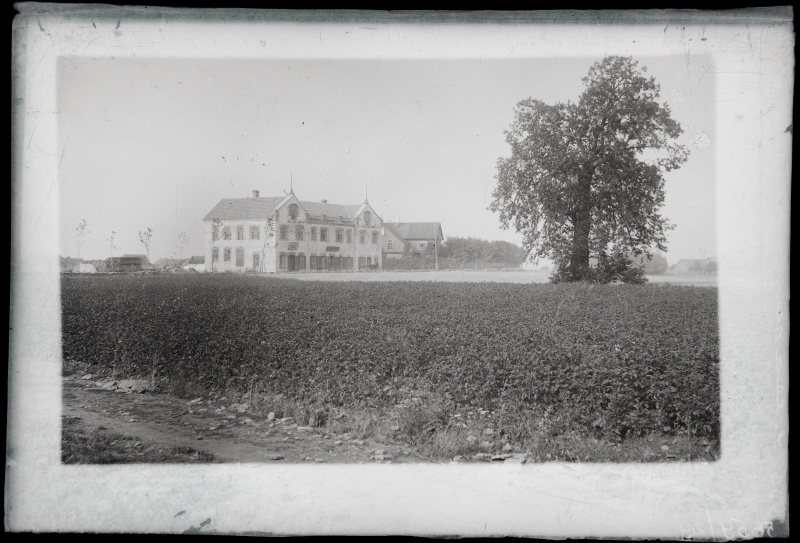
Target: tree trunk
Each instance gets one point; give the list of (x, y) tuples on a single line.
[(579, 260)]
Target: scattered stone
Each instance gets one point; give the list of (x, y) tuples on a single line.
[(395, 428), (482, 456), (337, 442), (277, 457), (507, 447), (457, 458), (133, 385), (242, 407), (87, 376), (196, 400), (271, 415), (381, 457), (284, 419), (308, 459), (319, 460), (664, 448), (500, 457), (213, 428), (379, 452), (133, 420), (488, 432), (486, 444), (515, 460), (471, 439), (304, 428), (358, 441), (247, 421)]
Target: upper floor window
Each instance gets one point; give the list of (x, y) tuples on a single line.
[(226, 232), (375, 237), (298, 233), (349, 236), (254, 232), (284, 232), (240, 233), (323, 234), (362, 236), (389, 244), (339, 235), (313, 233), (214, 233), (293, 212), (367, 218)]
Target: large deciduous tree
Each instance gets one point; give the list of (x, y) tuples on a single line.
[(586, 179)]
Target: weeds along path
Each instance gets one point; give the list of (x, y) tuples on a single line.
[(229, 436)]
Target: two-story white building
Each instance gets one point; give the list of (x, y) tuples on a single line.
[(283, 234)]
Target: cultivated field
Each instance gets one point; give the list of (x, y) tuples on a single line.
[(480, 276), (476, 370)]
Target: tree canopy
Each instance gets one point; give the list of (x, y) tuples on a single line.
[(586, 179)]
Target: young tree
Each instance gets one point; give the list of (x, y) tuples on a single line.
[(81, 229), (111, 246), (586, 179), (145, 237), (183, 241)]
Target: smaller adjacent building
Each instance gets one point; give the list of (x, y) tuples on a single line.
[(695, 266), (415, 235)]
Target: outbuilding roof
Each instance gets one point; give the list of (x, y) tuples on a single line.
[(416, 230)]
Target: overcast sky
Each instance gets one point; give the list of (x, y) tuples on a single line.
[(157, 143)]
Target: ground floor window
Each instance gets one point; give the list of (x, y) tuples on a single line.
[(239, 256), (214, 254), (256, 261), (226, 254), (369, 261), (282, 261), (361, 262)]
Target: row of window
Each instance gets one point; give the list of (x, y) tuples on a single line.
[(295, 262), (340, 234), (226, 256), (422, 245), (255, 233), (321, 262)]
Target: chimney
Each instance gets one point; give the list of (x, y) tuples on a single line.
[(255, 194), (324, 201)]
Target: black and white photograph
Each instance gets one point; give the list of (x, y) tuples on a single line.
[(400, 273)]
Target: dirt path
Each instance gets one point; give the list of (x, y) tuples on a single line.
[(228, 435)]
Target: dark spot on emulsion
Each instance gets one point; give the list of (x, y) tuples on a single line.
[(789, 129)]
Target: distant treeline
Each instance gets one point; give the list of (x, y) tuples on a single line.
[(461, 253)]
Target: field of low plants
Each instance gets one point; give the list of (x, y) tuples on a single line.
[(528, 361)]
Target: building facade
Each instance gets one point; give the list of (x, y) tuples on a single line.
[(285, 234), (416, 235)]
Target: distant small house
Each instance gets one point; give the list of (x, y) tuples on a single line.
[(417, 235), (688, 265), (84, 268)]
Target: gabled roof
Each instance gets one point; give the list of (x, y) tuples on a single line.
[(232, 209), (331, 210), (415, 230)]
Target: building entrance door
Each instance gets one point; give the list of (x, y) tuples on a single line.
[(292, 263)]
